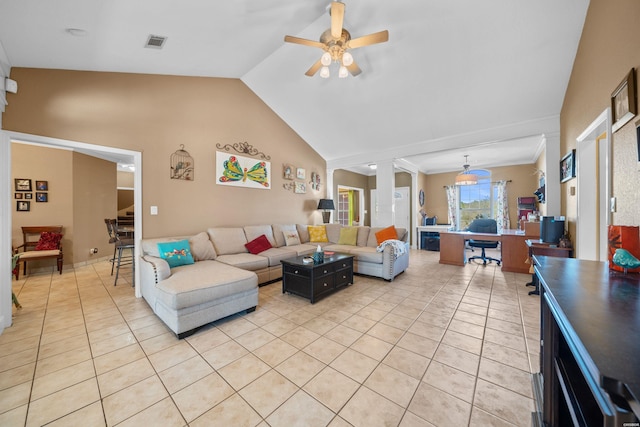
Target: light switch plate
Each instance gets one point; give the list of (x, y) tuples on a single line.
[(613, 204), (154, 210)]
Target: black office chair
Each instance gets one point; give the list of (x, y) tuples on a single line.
[(483, 225)]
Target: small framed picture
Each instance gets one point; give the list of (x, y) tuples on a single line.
[(28, 195), (568, 167), (42, 197), (623, 101), (23, 184), (287, 171), (300, 188), (301, 173), (18, 195), (22, 206), (42, 185)]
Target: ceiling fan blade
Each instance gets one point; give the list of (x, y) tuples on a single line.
[(354, 69), (337, 18), (305, 42), (314, 69), (379, 37)]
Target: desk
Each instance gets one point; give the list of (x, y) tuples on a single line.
[(429, 228), (514, 250), (452, 245)]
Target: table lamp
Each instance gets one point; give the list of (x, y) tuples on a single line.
[(326, 205)]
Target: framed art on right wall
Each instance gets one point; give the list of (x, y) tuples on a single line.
[(623, 101), (568, 167)]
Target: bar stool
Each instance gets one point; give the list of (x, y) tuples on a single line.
[(119, 246)]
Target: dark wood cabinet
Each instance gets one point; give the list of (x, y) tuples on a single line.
[(315, 281), (589, 346)]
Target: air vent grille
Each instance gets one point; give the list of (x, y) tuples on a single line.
[(155, 42)]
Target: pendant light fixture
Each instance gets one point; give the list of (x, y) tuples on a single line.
[(466, 177)]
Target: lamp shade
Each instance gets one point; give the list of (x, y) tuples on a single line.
[(326, 204), (466, 179)]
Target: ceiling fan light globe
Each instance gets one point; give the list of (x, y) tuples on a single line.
[(347, 59), (343, 72), (324, 72), (325, 59)]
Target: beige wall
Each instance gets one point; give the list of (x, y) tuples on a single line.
[(94, 199), (154, 115), (524, 181), (125, 179), (422, 185), (609, 48), (125, 200), (81, 193)]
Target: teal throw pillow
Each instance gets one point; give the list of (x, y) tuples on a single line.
[(176, 253)]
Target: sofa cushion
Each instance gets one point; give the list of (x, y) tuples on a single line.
[(363, 235), (176, 253), (303, 232), (207, 281), (278, 233), (304, 248), (201, 247), (318, 234), (259, 244), (367, 254), (336, 247), (402, 233), (228, 240), (244, 261), (333, 232), (348, 236), (275, 255), (388, 233), (291, 238), (253, 231)]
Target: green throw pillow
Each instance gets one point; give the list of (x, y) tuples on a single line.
[(176, 253), (348, 236)]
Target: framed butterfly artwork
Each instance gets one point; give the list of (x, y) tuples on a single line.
[(240, 171)]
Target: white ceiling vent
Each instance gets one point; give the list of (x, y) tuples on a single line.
[(155, 42)]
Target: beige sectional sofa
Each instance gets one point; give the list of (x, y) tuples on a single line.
[(224, 278)]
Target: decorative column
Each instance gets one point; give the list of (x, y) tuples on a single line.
[(384, 214), (5, 232)]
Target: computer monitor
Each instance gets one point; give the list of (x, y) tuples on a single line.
[(551, 229)]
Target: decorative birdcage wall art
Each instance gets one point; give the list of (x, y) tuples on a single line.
[(182, 166)]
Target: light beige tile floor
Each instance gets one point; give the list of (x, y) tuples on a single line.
[(438, 346)]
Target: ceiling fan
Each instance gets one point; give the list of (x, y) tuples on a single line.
[(336, 41)]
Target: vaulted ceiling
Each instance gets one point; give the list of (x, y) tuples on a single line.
[(483, 78)]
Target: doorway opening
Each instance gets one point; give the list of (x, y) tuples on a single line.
[(6, 139), (593, 157), (350, 209)]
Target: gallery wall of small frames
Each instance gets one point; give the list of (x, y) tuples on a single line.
[(24, 193), (299, 176)]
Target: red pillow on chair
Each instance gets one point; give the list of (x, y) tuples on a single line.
[(48, 241)]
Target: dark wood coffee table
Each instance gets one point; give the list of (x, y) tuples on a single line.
[(315, 281)]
